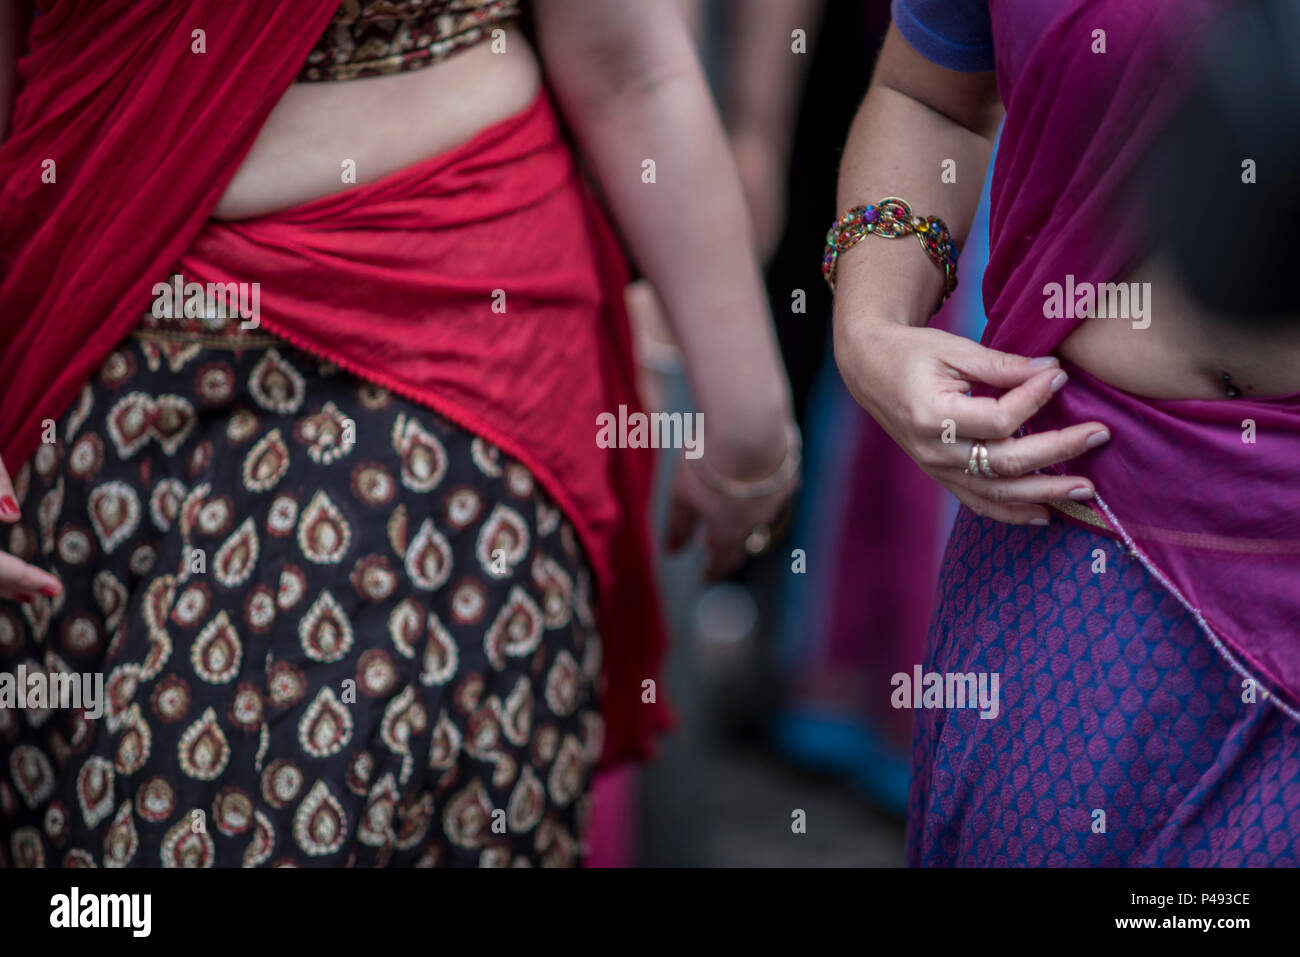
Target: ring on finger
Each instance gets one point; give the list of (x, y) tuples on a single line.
[(978, 463), (757, 541)]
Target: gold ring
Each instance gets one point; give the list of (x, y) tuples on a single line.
[(978, 463), (757, 541)]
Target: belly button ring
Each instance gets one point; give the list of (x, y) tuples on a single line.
[(1231, 389)]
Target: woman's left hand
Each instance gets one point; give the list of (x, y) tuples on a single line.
[(728, 521)]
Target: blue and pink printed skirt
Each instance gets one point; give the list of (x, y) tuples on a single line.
[(1112, 701)]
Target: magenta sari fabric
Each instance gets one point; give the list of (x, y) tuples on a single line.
[(1213, 516)]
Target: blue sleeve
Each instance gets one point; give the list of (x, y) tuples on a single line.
[(955, 34)]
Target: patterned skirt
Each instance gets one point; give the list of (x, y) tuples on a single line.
[(1122, 738), (332, 627)]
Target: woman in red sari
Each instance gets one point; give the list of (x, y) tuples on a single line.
[(309, 326)]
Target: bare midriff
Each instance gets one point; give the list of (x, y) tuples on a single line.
[(381, 124), (1177, 351)]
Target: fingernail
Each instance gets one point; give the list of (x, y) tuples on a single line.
[(1097, 438), (1059, 381), (1040, 520), (1081, 494), (1045, 362), (26, 598), (49, 591), (8, 506)]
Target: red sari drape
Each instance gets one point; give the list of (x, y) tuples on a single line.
[(393, 280)]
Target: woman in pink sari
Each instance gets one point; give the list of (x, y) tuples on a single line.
[(1119, 596)]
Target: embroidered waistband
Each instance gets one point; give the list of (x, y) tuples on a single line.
[(217, 315)]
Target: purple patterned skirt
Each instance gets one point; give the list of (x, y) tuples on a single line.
[(333, 628), (1122, 737)]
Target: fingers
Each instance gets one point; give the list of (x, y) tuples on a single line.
[(1028, 454), (8, 501), (1031, 488), (21, 581), (984, 417), (1013, 513), (1002, 369)]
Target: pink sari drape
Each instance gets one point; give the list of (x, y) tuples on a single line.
[(1214, 515)]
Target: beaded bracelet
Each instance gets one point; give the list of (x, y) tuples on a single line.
[(891, 218)]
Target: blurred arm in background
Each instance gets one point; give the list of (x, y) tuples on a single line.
[(761, 89)]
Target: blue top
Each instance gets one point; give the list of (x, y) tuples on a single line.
[(955, 34)]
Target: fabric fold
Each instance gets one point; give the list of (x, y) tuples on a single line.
[(484, 282), (1201, 490)]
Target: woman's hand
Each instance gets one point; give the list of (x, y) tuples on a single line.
[(19, 580), (743, 440), (913, 381), (727, 520)]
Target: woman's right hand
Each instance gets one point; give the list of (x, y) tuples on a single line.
[(913, 381), (18, 580)]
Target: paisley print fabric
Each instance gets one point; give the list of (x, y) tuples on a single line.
[(1123, 738), (334, 628), (376, 37)]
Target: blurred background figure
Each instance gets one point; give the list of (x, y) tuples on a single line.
[(780, 675)]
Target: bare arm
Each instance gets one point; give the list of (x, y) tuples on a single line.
[(914, 380), (626, 77), (915, 116), (763, 87)]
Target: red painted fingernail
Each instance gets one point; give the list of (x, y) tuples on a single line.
[(49, 591), (8, 505), (26, 598)]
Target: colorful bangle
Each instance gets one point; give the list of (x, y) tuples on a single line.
[(892, 217)]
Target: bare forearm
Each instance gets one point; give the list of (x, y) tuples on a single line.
[(688, 229), (899, 146), (764, 73)]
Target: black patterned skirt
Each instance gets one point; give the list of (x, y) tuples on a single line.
[(333, 628)]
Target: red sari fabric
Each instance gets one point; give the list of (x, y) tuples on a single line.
[(393, 280)]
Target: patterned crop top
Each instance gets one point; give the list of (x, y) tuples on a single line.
[(375, 37)]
